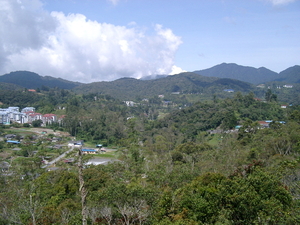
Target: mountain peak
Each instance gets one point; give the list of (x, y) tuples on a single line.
[(238, 72), (32, 80)]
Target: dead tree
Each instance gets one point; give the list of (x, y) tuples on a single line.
[(82, 189)]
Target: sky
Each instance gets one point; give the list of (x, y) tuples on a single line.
[(104, 40)]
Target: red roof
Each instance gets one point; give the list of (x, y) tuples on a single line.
[(49, 115), (263, 122), (35, 114), (29, 112)]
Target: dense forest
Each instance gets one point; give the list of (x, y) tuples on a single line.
[(208, 162)]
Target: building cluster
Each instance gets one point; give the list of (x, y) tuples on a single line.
[(278, 87), (27, 115)]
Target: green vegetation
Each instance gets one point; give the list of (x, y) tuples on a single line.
[(189, 166)]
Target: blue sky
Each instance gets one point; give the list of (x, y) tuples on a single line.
[(102, 40)]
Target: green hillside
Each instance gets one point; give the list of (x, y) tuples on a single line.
[(189, 167), (9, 86), (184, 83), (290, 75), (242, 73), (32, 80)]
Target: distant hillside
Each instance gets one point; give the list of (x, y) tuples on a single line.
[(290, 75), (153, 77), (242, 73), (28, 79), (130, 88), (8, 86)]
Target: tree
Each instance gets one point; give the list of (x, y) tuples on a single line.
[(269, 96), (37, 123), (82, 189), (229, 121), (249, 196)]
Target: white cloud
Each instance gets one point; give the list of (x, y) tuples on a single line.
[(75, 48), (176, 70), (281, 2)]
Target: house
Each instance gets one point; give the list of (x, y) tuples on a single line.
[(4, 118), (10, 136), (288, 86), (283, 106), (34, 116), (263, 124), (89, 151), (60, 119), (228, 90), (13, 142), (75, 144), (129, 103), (28, 109), (166, 103), (49, 118)]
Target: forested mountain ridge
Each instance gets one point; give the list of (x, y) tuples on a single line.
[(32, 80), (290, 75), (10, 86), (245, 73), (130, 88)]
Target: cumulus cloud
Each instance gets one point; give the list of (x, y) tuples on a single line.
[(176, 70), (75, 48)]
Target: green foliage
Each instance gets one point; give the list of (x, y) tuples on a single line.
[(26, 125), (269, 96), (164, 170), (241, 199), (37, 123)]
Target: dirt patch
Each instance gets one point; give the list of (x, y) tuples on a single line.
[(46, 131), (4, 155)]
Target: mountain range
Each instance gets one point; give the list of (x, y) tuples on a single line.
[(30, 80), (251, 74), (128, 88), (209, 81)]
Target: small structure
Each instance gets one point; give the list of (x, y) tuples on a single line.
[(70, 160), (75, 144), (4, 166), (130, 103), (89, 151), (10, 136), (228, 90), (263, 124), (13, 142)]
